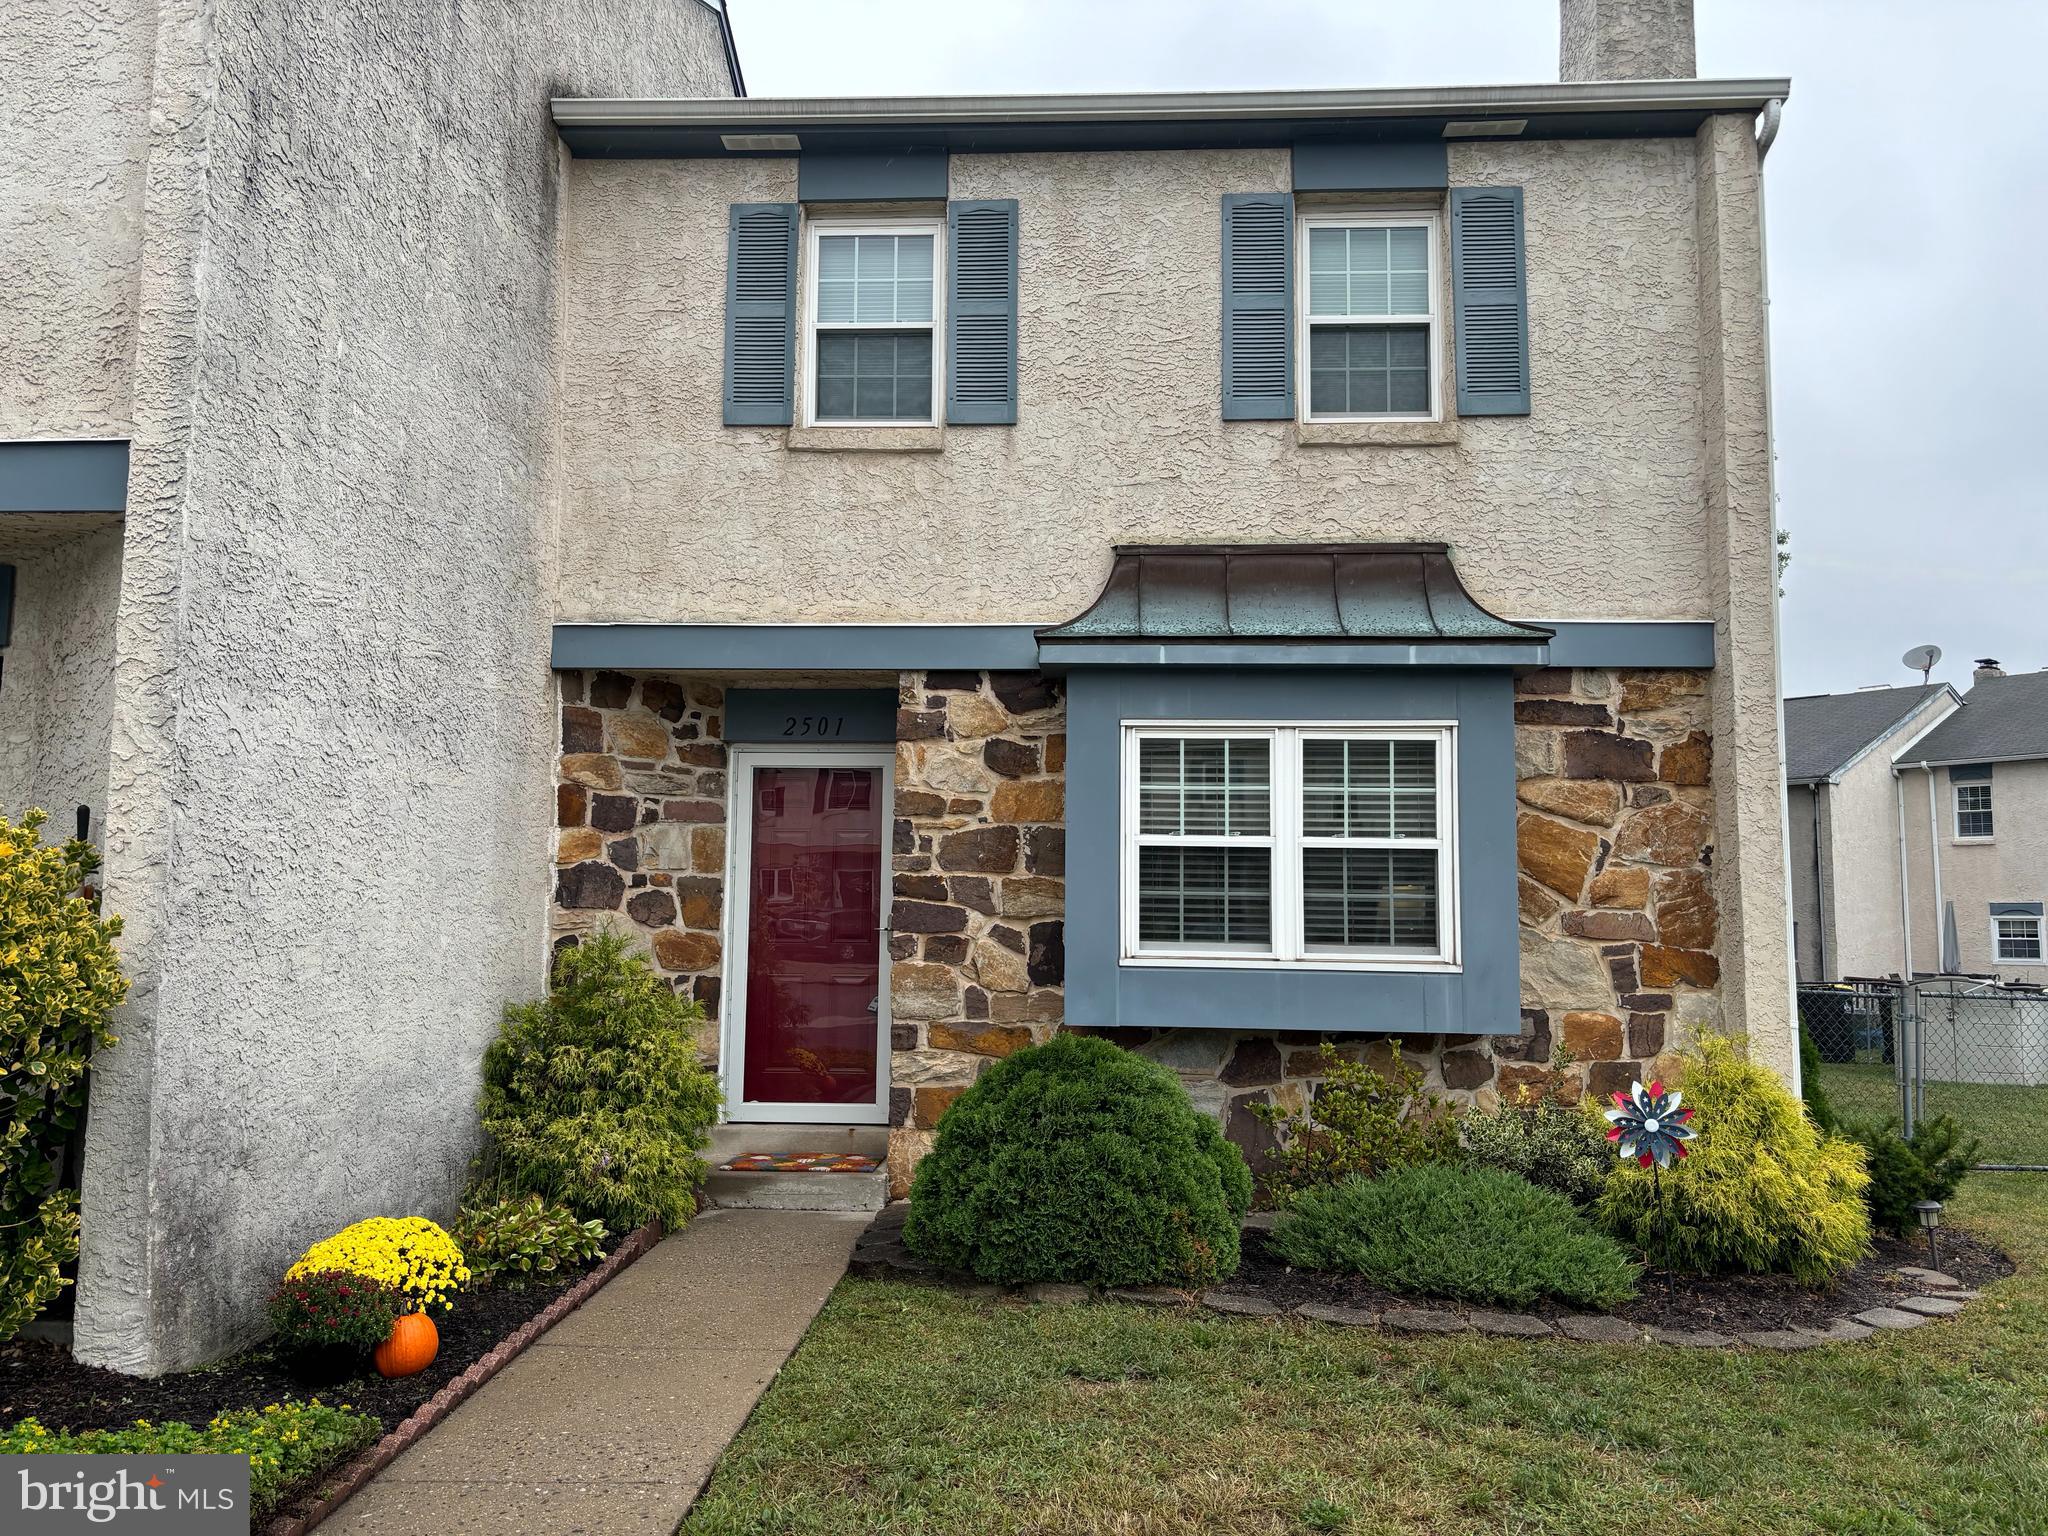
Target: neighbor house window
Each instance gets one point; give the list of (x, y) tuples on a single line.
[(873, 303), (2019, 938), (1369, 316), (1973, 810), (1315, 845)]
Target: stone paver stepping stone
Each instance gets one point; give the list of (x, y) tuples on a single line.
[(1890, 1317), (1691, 1338), (1343, 1317), (1424, 1320), (1148, 1295), (1843, 1330), (1240, 1306), (1931, 1306), (1930, 1279), (1782, 1338), (1261, 1221), (1510, 1325), (1048, 1293), (1599, 1330)]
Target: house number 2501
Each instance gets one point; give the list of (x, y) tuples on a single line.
[(814, 725)]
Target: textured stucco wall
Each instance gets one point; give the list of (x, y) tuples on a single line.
[(1865, 937), (332, 735), (1590, 507), (57, 695), (1625, 40), (2011, 867), (74, 120)]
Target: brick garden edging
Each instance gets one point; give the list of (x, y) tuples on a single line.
[(879, 1254), (341, 1485)]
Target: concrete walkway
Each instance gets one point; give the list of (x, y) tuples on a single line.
[(612, 1421)]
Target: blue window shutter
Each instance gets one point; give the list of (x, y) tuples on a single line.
[(981, 311), (1258, 306), (1490, 297), (760, 315)]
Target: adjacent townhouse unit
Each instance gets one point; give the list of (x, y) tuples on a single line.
[(1842, 821), (1229, 571)]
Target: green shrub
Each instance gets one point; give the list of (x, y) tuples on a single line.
[(1362, 1122), (335, 1308), (1554, 1145), (1927, 1166), (286, 1443), (1077, 1161), (1811, 1090), (60, 982), (1763, 1190), (1471, 1234), (593, 1095), (516, 1241)]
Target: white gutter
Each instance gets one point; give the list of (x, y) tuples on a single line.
[(1173, 106)]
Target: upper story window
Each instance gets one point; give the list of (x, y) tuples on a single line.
[(1973, 811), (1369, 316), (2018, 938), (873, 310), (1290, 845)]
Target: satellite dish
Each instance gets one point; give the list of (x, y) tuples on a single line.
[(1922, 659)]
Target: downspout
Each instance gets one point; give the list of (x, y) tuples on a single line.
[(1905, 879), (1820, 889), (1934, 849)]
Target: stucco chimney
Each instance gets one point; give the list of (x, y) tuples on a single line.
[(1987, 666), (1625, 40)]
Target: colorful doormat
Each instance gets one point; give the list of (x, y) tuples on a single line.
[(801, 1162)]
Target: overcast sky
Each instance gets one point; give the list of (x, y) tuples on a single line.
[(1906, 226)]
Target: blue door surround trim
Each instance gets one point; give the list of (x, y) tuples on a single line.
[(735, 648), (1481, 998), (64, 475)]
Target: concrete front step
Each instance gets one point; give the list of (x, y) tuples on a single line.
[(797, 1191), (733, 1140)]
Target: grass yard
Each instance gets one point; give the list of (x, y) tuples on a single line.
[(2012, 1122), (910, 1410)]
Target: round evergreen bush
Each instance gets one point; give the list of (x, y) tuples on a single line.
[(1076, 1161)]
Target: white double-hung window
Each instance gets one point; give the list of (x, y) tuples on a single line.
[(1280, 845), (2017, 938), (871, 350), (1973, 812), (1368, 301)]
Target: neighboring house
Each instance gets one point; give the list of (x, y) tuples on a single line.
[(1227, 570), (1841, 817), (1975, 794)]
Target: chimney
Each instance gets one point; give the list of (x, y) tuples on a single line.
[(1625, 40), (1987, 666)]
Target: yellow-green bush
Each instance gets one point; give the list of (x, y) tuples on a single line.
[(409, 1253), (60, 982), (1763, 1190)]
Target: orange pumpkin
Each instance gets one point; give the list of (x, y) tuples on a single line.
[(411, 1348)]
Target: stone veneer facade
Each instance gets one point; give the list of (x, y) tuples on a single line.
[(1615, 834)]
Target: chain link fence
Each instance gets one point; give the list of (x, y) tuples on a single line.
[(1940, 1046)]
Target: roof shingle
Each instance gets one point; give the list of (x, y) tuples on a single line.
[(1823, 731), (2002, 717)]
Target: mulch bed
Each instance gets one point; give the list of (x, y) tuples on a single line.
[(1715, 1303), (43, 1381)]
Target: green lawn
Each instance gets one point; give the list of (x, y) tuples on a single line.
[(911, 1410), (2011, 1122)]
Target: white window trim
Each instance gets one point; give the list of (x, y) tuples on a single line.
[(1998, 957), (1955, 792), (1288, 951), (1328, 218), (814, 230)]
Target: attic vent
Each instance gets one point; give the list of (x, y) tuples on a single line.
[(1503, 128), (779, 143)]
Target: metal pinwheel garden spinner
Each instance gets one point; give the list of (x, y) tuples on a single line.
[(1650, 1124)]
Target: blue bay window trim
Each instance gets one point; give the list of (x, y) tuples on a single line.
[(1422, 166), (901, 176), (1481, 998), (64, 475)]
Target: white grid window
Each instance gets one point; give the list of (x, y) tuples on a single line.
[(1973, 810), (872, 353), (1368, 299), (2018, 938), (1290, 844)]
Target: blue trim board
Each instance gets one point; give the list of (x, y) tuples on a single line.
[(1483, 998), (1392, 167), (811, 716), (84, 475), (1969, 773), (729, 648), (2015, 909), (871, 178)]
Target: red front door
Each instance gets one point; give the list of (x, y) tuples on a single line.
[(813, 985)]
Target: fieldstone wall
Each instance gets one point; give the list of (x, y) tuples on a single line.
[(640, 797)]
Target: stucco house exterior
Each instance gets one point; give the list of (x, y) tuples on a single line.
[(1228, 571)]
